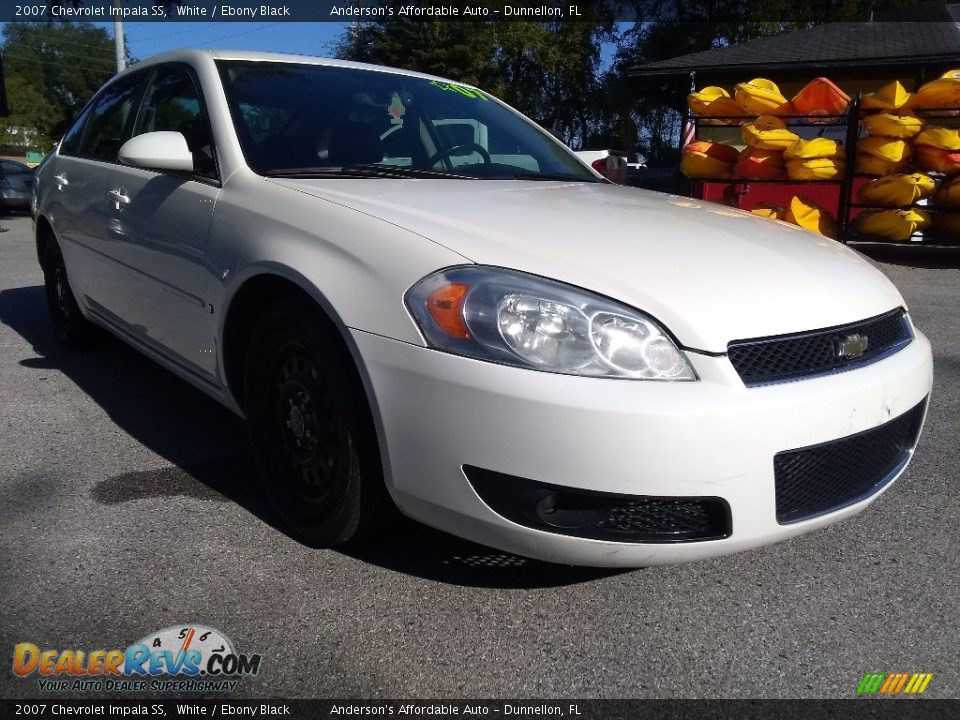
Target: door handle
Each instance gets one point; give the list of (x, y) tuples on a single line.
[(119, 196), (61, 179)]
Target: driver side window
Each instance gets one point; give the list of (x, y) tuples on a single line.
[(173, 103)]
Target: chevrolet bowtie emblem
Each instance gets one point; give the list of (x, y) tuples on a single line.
[(852, 346)]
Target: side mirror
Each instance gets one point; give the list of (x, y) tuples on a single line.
[(161, 150)]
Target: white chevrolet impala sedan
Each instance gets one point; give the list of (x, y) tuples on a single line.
[(419, 299)]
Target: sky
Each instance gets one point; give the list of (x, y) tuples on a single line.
[(149, 38)]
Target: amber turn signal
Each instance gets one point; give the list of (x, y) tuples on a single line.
[(445, 305)]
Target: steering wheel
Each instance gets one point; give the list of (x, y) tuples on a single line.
[(432, 160)]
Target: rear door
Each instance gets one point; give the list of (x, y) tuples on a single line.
[(159, 225), (75, 187)]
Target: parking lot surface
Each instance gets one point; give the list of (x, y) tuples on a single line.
[(128, 504)]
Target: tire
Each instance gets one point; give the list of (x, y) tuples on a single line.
[(311, 429), (71, 328)]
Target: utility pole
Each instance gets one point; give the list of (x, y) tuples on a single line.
[(118, 37)]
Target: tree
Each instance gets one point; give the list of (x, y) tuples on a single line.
[(52, 70)]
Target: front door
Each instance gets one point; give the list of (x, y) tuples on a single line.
[(160, 221)]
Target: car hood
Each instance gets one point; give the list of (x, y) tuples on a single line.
[(709, 273)]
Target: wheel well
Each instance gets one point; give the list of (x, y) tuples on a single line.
[(253, 297), (44, 237)]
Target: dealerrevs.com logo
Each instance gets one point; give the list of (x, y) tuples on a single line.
[(180, 658)]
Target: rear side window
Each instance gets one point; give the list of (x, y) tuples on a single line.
[(107, 121), (173, 103)]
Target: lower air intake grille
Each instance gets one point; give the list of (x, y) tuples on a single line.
[(598, 515), (822, 478)]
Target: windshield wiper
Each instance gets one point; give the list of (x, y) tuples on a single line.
[(563, 178), (364, 171)]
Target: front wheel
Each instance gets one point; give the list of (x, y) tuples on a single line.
[(72, 329), (311, 429)]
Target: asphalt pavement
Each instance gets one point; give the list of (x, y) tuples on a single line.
[(128, 504)]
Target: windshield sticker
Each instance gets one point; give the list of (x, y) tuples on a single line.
[(472, 93), (396, 110)]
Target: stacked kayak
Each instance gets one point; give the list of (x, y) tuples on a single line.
[(897, 225), (903, 149), (802, 212), (756, 163), (897, 190), (816, 159), (944, 92), (702, 159), (938, 149), (762, 97), (878, 155), (810, 216), (768, 132), (716, 103), (888, 125), (889, 98), (818, 98), (769, 210), (946, 220)]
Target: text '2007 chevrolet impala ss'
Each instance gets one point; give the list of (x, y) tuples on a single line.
[(418, 299)]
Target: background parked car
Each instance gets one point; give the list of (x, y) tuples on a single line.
[(612, 164), (16, 185)]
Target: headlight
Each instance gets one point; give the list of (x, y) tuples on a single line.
[(516, 319)]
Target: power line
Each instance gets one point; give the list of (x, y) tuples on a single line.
[(106, 63), (67, 56), (233, 35)]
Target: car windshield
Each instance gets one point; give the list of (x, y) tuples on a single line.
[(11, 167), (296, 120)]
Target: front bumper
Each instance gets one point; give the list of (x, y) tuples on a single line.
[(438, 412)]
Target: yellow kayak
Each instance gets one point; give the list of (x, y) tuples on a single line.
[(944, 92), (893, 126), (769, 210), (768, 132), (939, 137), (948, 194), (891, 224), (885, 148), (760, 164), (878, 155), (807, 214), (716, 102), (891, 96), (762, 97), (816, 148), (815, 169), (706, 160), (897, 190)]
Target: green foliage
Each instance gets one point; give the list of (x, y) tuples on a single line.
[(52, 69)]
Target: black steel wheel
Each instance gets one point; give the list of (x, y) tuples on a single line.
[(311, 429), (72, 329)]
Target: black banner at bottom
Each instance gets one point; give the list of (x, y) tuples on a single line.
[(859, 709)]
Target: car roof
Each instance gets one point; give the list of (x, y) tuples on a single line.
[(193, 55)]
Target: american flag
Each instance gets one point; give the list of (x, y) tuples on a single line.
[(689, 133)]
